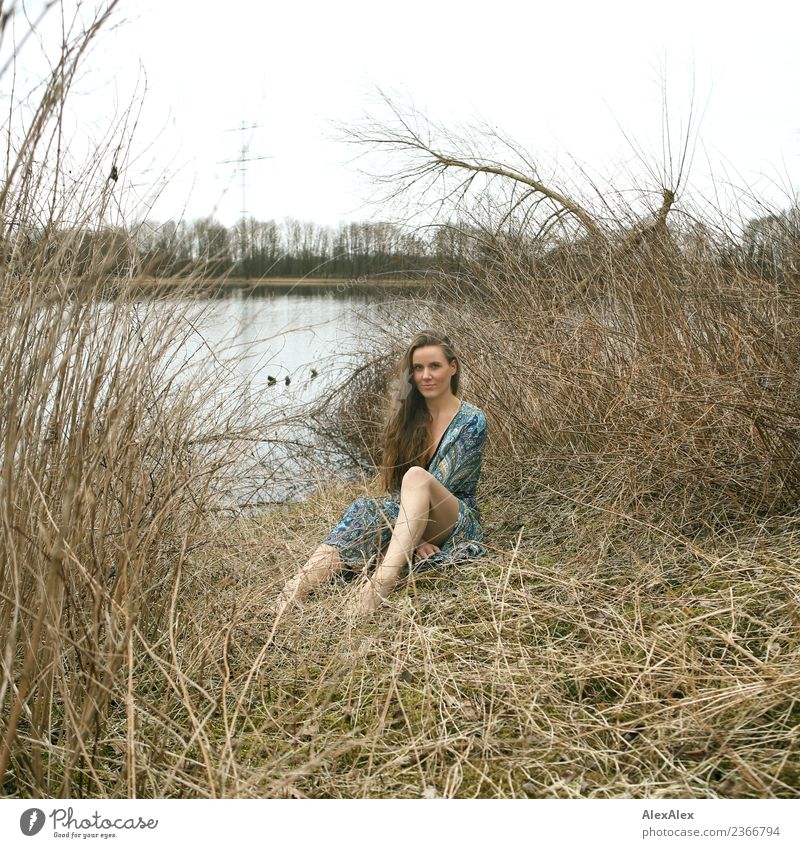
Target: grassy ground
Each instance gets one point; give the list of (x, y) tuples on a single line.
[(577, 660)]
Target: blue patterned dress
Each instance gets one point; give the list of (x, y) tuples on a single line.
[(366, 526)]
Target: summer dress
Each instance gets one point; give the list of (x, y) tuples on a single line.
[(366, 526)]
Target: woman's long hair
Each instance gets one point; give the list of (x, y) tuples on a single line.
[(405, 435)]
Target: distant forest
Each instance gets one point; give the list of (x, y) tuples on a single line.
[(268, 249), (290, 248)]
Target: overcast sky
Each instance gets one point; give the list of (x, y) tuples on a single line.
[(562, 79)]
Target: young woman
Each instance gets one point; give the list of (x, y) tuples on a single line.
[(432, 453)]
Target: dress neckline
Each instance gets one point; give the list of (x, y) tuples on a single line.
[(446, 430)]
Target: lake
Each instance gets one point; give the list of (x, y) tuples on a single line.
[(254, 340)]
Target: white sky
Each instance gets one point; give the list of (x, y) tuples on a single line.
[(559, 78)]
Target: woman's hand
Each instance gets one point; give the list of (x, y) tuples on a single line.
[(425, 550)]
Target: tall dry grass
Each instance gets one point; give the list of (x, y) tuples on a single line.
[(632, 344), (107, 477)]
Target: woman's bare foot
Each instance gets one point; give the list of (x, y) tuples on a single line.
[(323, 564), (370, 595), (292, 594)]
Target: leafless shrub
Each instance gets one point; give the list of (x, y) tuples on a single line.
[(629, 355)]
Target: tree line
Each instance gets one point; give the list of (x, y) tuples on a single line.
[(255, 249), (289, 248)]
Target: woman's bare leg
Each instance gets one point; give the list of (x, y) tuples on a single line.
[(428, 512), (323, 564)]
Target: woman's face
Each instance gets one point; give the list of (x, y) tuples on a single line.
[(431, 371)]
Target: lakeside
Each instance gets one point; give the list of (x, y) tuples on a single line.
[(633, 630)]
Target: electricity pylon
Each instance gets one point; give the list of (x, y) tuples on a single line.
[(241, 161)]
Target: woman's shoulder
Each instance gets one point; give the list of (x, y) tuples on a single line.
[(473, 413)]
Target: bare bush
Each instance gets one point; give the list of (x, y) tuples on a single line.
[(629, 355)]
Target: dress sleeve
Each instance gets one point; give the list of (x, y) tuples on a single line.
[(459, 468)]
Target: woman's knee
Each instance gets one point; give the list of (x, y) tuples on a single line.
[(416, 477)]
